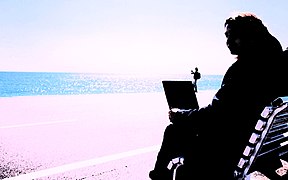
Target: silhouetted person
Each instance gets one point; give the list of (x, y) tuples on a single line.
[(212, 138), (196, 76)]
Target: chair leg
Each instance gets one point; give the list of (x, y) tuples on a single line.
[(174, 164)]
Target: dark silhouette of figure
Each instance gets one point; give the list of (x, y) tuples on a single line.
[(221, 129), (196, 76)]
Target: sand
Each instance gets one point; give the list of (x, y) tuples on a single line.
[(83, 136)]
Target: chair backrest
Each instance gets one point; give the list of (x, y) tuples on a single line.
[(269, 136)]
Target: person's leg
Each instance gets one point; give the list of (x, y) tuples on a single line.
[(165, 154), (176, 142)]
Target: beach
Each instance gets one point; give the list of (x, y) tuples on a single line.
[(101, 136)]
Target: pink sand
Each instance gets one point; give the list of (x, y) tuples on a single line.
[(41, 132)]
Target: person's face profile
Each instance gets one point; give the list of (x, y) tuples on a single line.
[(233, 41)]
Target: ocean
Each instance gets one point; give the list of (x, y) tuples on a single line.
[(50, 83)]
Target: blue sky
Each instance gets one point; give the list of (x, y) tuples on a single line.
[(125, 36)]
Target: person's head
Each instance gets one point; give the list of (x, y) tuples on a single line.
[(196, 69), (244, 33)]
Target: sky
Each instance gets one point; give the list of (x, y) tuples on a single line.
[(126, 36)]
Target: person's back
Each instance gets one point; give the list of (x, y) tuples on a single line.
[(250, 88), (231, 126)]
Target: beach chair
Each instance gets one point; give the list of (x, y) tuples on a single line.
[(269, 140)]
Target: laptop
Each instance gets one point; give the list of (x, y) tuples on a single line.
[(180, 94)]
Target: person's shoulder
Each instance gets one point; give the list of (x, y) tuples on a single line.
[(285, 58), (285, 52)]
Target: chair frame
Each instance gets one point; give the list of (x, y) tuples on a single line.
[(269, 137)]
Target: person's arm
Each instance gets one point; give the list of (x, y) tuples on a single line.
[(185, 116), (227, 99)]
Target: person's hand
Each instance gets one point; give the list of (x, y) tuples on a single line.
[(176, 115), (172, 114)]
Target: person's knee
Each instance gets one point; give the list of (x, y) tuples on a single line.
[(169, 129)]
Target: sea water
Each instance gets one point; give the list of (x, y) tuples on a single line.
[(51, 83)]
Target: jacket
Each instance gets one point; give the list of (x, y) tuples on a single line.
[(249, 84)]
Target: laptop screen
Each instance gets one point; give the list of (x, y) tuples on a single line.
[(180, 94)]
